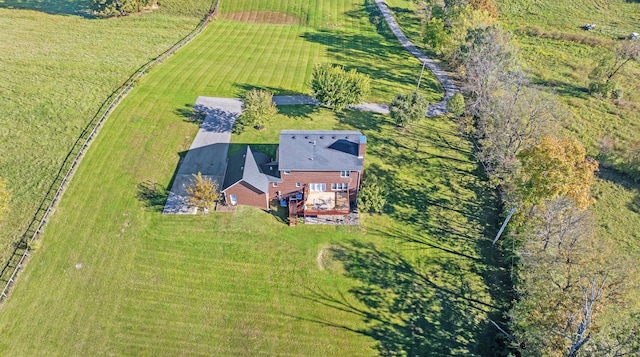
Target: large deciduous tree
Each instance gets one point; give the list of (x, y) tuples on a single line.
[(333, 86), (509, 113), (258, 110), (566, 279), (556, 167), (610, 66), (408, 108), (202, 192)]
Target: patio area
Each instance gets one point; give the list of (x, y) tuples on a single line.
[(326, 201)]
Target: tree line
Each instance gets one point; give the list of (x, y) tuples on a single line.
[(566, 278)]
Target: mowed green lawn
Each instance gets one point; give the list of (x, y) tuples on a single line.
[(245, 283), (112, 276), (56, 68)]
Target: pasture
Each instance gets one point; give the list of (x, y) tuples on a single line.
[(58, 66), (557, 53), (112, 276)]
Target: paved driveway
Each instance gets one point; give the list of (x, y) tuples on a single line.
[(208, 152)]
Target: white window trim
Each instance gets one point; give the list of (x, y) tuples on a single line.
[(345, 173), (317, 187), (287, 172), (340, 186), (275, 184), (298, 184)]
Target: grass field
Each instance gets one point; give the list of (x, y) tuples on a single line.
[(247, 284), (563, 66), (58, 66), (112, 276), (556, 53)]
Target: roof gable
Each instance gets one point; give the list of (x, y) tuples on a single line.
[(243, 166)]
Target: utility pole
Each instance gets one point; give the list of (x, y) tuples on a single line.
[(504, 225), (424, 63)]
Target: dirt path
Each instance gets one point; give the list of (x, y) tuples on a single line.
[(449, 87)]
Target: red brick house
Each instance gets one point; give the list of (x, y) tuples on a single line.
[(315, 173)]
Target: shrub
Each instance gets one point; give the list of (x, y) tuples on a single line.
[(455, 105), (258, 110), (408, 108), (372, 196), (602, 89), (617, 94), (337, 88)]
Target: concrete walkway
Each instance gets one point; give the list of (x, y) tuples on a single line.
[(208, 152), (307, 100), (449, 87)]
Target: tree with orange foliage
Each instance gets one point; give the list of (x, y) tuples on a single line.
[(556, 167), (489, 6)]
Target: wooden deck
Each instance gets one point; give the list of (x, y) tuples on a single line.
[(315, 204)]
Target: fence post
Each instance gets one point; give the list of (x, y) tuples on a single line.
[(122, 91)]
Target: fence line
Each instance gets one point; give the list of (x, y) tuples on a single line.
[(71, 161)]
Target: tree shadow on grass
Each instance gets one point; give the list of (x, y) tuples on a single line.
[(611, 175), (365, 121), (245, 87), (192, 113), (563, 88), (152, 195), (445, 215), (408, 310), (80, 8), (298, 111), (372, 55)]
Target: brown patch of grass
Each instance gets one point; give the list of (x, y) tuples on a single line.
[(329, 258), (566, 36), (263, 17)]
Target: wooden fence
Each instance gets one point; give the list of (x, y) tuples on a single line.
[(73, 158)]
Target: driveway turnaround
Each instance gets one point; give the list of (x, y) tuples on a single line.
[(208, 152), (449, 87)]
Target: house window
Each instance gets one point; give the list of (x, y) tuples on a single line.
[(317, 187), (275, 184), (298, 184), (339, 186), (345, 173), (232, 200), (286, 172)]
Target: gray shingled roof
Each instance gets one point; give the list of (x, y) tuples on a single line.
[(319, 150), (244, 165)]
